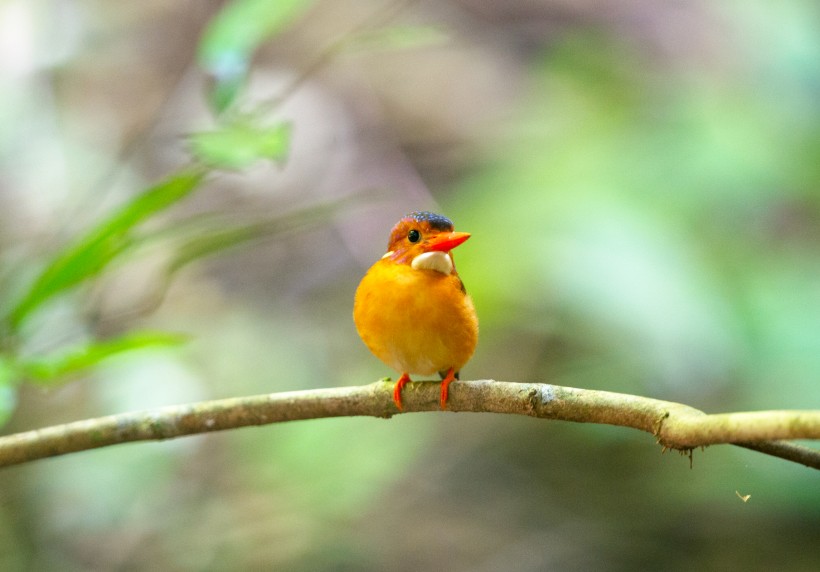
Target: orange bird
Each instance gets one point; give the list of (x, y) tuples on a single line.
[(412, 309)]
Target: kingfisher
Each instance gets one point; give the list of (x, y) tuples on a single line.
[(411, 308)]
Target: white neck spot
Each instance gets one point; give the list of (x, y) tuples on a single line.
[(438, 261)]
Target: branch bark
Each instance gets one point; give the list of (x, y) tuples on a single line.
[(674, 425)]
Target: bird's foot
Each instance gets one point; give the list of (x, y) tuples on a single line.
[(445, 384), (403, 380)]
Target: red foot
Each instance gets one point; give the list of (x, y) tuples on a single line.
[(445, 383), (403, 380)]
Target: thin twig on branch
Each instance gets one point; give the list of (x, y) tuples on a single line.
[(675, 426)]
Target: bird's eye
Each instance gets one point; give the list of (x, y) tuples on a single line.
[(414, 235)]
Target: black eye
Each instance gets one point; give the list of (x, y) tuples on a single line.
[(414, 235)]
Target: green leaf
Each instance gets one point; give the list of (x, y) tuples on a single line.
[(240, 144), (51, 369), (89, 255), (221, 235), (213, 242), (8, 391), (233, 36)]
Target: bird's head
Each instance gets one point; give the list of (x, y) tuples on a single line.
[(424, 241)]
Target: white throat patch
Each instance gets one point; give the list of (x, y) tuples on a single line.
[(438, 261)]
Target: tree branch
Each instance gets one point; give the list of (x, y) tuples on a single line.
[(675, 426)]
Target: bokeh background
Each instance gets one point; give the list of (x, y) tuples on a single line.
[(642, 181)]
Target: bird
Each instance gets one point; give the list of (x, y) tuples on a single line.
[(412, 310)]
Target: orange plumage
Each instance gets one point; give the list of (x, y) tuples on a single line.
[(411, 308)]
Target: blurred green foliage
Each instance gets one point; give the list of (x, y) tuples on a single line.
[(240, 144), (73, 265), (232, 38), (52, 368), (236, 144), (239, 141), (644, 212), (398, 38), (641, 184), (8, 395), (107, 241)]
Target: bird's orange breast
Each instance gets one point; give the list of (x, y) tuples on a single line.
[(415, 321)]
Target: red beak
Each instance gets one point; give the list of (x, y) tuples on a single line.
[(446, 241)]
